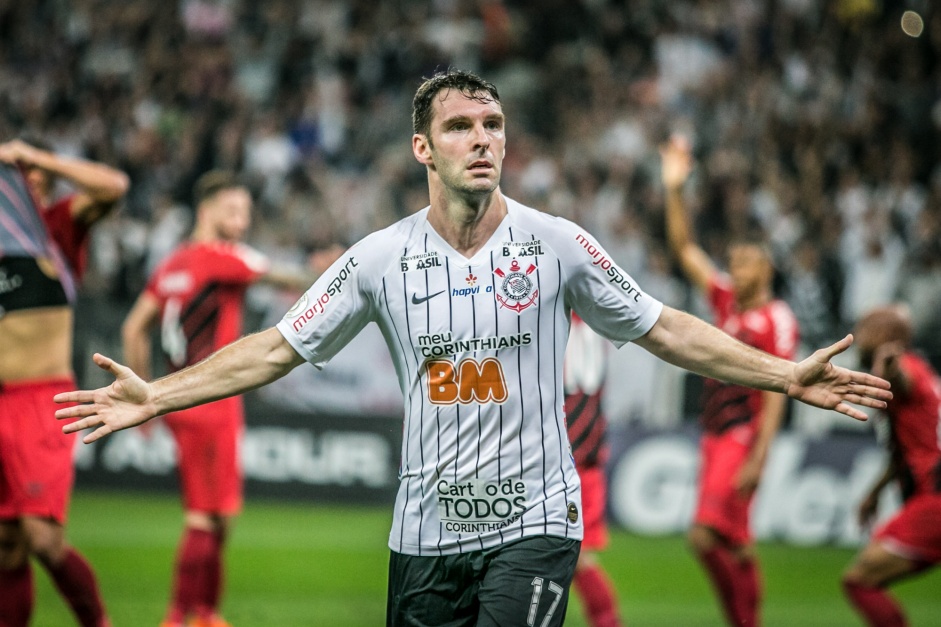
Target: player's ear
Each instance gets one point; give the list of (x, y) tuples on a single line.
[(421, 148)]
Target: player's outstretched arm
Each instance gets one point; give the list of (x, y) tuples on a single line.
[(690, 343), (251, 362)]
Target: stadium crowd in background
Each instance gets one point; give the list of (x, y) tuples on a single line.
[(812, 122)]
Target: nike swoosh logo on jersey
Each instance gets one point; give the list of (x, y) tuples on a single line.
[(418, 301)]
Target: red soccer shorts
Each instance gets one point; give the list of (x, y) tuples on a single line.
[(594, 496), (207, 439), (36, 468), (720, 505), (915, 531)]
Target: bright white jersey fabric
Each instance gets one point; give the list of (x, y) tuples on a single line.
[(478, 346)]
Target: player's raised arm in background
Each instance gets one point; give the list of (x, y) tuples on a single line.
[(99, 186), (676, 163), (249, 363), (688, 342)]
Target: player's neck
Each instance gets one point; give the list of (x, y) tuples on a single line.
[(467, 223), (205, 234), (754, 299)]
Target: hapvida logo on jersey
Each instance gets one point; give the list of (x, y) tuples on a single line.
[(334, 288), (472, 287), (614, 273), (518, 290)]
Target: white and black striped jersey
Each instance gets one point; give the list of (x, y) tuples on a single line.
[(478, 346)]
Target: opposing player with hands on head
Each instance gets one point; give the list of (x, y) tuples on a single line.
[(739, 424), (43, 244), (97, 189), (487, 521), (909, 542)]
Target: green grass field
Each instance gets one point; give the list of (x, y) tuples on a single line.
[(326, 565)]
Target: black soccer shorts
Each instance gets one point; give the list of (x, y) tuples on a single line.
[(525, 583)]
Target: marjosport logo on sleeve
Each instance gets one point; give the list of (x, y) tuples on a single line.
[(334, 288), (615, 275), (475, 506)]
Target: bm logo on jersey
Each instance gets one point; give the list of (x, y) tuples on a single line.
[(466, 381), (517, 287)]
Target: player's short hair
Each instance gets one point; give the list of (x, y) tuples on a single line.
[(888, 323), (468, 83), (213, 182)]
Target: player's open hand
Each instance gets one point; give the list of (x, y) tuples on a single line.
[(125, 403), (818, 382), (676, 162)]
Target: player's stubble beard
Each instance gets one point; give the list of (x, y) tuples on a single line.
[(470, 193)]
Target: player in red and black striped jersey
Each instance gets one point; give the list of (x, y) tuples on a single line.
[(583, 380), (738, 423), (910, 542), (196, 297)]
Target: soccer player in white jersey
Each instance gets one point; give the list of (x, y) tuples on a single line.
[(473, 295)]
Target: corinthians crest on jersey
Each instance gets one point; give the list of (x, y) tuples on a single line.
[(517, 287)]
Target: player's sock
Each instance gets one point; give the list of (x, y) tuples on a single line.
[(195, 552), (76, 582), (875, 605), (597, 595), (722, 568), (749, 592), (211, 590), (18, 596)]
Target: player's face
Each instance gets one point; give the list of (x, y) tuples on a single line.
[(467, 142), (749, 269), (40, 183), (232, 213)]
